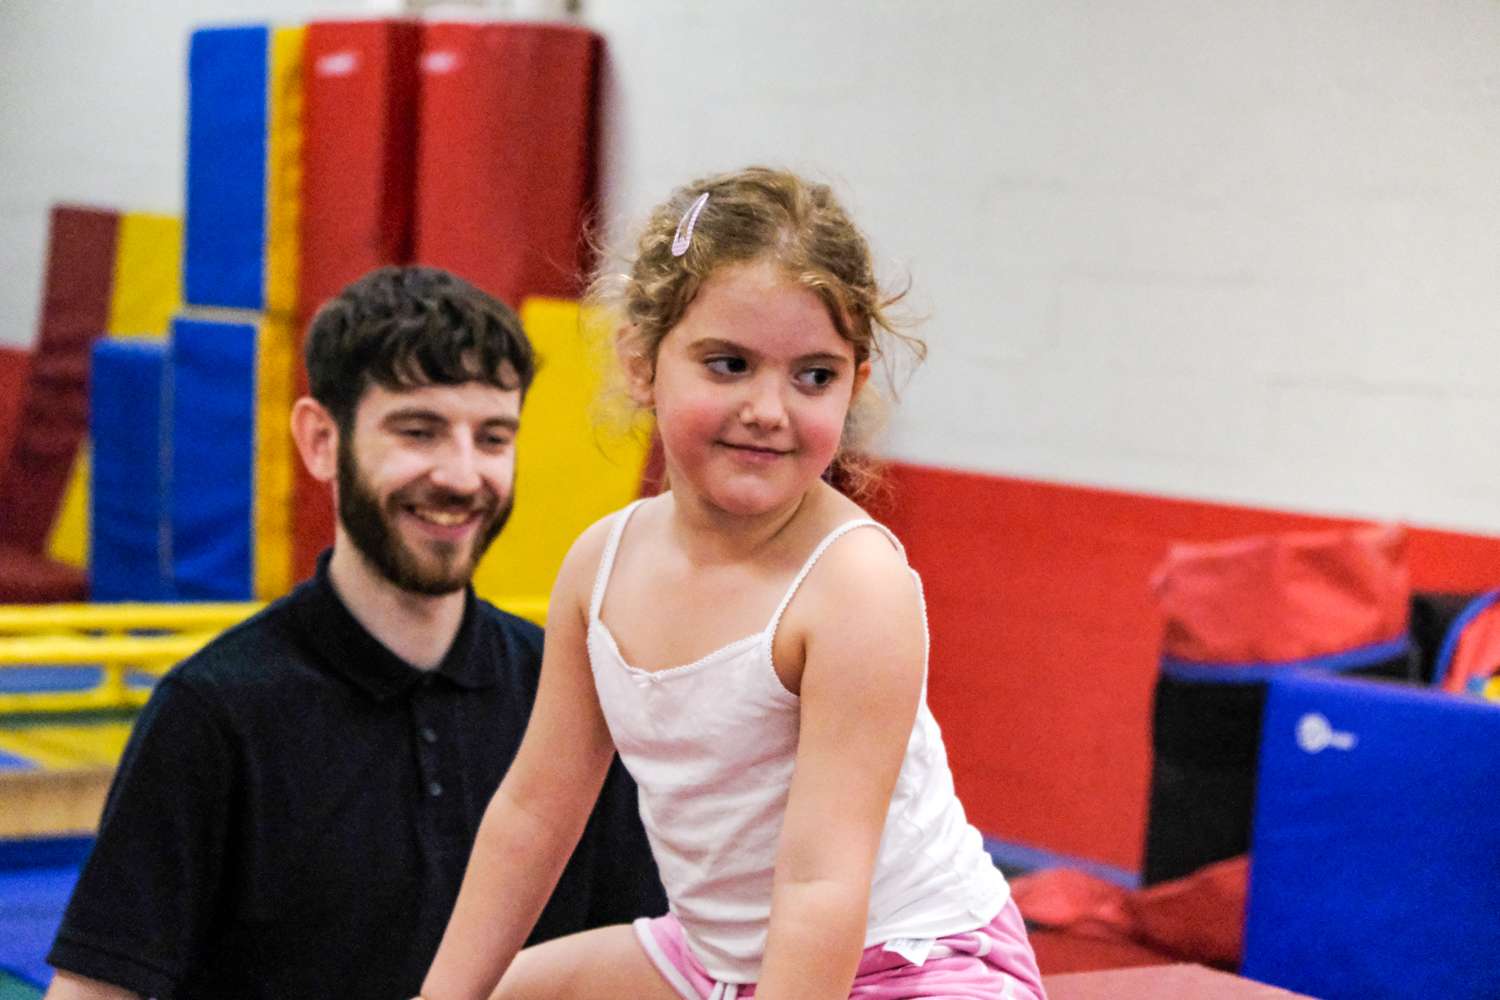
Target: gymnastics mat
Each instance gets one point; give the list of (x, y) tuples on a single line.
[(358, 137), (210, 505), (32, 901), (223, 259), (1376, 845), (15, 365), (505, 154), (54, 416), (146, 291), (570, 472), (128, 514)]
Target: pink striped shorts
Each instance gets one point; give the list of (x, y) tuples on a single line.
[(990, 963)]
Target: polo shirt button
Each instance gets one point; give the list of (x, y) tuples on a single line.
[(429, 735), (435, 789)]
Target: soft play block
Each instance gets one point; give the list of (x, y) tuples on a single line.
[(224, 262), (1376, 844), (506, 154), (210, 505), (146, 292), (148, 272), (128, 515), (358, 143), (284, 171), (275, 363), (570, 472), (15, 365), (54, 416)]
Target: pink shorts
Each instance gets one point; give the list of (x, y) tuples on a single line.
[(995, 961)]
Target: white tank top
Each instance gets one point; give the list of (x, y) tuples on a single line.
[(712, 745)]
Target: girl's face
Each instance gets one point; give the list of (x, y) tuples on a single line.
[(751, 389)]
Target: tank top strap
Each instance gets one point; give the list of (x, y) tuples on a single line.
[(817, 553), (607, 560)]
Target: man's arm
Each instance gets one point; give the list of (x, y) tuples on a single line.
[(139, 912), (66, 986)]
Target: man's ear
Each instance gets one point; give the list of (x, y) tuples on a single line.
[(317, 437), (639, 368)]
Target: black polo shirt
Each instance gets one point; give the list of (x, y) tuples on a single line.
[(295, 807)]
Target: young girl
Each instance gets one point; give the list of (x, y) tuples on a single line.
[(755, 648)]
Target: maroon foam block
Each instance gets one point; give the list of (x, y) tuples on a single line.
[(54, 414), (506, 155)]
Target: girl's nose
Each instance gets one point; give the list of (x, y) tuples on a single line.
[(764, 406)]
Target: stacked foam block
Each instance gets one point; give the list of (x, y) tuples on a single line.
[(314, 155)]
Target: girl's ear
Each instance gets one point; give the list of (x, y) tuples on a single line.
[(861, 376), (639, 368)]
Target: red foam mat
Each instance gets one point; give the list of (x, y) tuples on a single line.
[(358, 167), (15, 365), (505, 168), (1045, 640), (54, 414)]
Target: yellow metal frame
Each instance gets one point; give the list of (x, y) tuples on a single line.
[(118, 638)]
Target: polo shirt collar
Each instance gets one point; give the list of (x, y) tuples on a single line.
[(349, 651)]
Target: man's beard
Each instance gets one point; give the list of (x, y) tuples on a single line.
[(371, 526)]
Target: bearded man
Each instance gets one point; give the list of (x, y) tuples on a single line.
[(294, 810)]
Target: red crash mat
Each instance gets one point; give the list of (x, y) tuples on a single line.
[(505, 168)]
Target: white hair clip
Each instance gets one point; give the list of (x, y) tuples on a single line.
[(684, 235)]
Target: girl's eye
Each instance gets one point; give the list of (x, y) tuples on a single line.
[(728, 365), (816, 377)]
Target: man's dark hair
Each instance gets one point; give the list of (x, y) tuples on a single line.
[(407, 327)]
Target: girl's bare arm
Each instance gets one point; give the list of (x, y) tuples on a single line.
[(864, 650), (538, 813)]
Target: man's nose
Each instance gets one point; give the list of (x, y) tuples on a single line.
[(457, 468)]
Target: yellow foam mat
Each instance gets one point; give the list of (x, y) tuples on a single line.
[(148, 275), (284, 169), (276, 353), (67, 747), (69, 541), (569, 472)]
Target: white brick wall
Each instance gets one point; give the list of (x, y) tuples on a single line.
[(1193, 247), (1219, 250)]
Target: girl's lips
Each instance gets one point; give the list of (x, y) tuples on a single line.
[(753, 454)]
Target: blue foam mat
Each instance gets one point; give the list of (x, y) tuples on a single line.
[(210, 492), (126, 511), (32, 901), (1376, 844), (225, 234)]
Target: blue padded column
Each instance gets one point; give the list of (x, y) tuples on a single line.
[(127, 506), (211, 484), (224, 251)]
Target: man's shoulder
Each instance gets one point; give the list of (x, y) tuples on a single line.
[(515, 628), (263, 649)]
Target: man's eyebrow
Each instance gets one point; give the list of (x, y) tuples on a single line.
[(510, 423), (414, 413)]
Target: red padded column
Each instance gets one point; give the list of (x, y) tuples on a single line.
[(505, 168), (358, 157)]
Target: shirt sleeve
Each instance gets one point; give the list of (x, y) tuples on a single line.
[(148, 892), (626, 884)]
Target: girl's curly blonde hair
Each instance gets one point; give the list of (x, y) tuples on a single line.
[(753, 214)]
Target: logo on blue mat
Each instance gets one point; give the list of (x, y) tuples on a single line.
[(1315, 733)]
